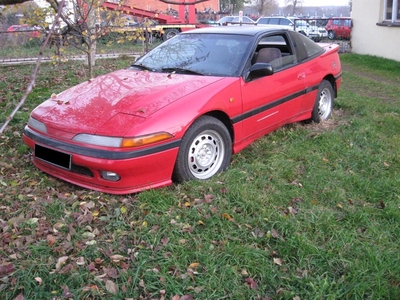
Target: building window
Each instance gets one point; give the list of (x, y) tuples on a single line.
[(392, 11)]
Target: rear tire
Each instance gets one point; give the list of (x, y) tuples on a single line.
[(206, 150), (324, 102)]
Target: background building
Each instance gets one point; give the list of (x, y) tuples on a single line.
[(376, 28)]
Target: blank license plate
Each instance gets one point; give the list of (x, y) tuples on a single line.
[(54, 157)]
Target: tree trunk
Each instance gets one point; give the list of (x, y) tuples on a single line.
[(91, 58)]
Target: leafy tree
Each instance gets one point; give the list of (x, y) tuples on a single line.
[(10, 13), (81, 24)]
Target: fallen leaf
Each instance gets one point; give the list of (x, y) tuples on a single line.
[(117, 258), (111, 287), (187, 297), (88, 235), (60, 262), (113, 273), (252, 284), (32, 221), (19, 297), (194, 265), (6, 269), (276, 235), (51, 240), (80, 261), (227, 216), (208, 198), (278, 261)]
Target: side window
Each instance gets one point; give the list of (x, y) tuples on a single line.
[(305, 48), (347, 23), (276, 50), (285, 22), (274, 21)]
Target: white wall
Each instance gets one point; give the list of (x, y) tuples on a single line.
[(369, 38)]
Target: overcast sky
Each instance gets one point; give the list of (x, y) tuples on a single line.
[(320, 2)]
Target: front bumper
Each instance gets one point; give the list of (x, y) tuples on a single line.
[(140, 169)]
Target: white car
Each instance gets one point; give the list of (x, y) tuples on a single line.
[(230, 20), (301, 26)]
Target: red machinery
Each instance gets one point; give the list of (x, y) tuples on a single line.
[(169, 25)]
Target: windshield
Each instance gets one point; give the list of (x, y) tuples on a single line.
[(206, 54)]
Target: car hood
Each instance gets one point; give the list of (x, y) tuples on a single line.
[(89, 105)]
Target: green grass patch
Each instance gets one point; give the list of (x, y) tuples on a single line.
[(311, 210)]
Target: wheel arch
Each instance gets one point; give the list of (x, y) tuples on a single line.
[(224, 118), (332, 81)]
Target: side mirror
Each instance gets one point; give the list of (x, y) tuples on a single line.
[(259, 70)]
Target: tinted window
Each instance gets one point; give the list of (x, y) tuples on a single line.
[(274, 21), (285, 22), (305, 47), (263, 21)]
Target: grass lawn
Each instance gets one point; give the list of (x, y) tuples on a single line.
[(311, 211)]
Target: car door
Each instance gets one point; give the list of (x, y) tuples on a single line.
[(310, 69), (270, 101)]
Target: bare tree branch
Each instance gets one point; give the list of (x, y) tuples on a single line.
[(35, 72)]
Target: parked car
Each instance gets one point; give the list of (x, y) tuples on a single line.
[(282, 21), (32, 31), (175, 115), (292, 23), (339, 28), (228, 20), (318, 25)]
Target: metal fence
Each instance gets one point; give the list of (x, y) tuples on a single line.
[(24, 46), (327, 30)]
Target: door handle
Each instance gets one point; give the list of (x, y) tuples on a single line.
[(301, 76)]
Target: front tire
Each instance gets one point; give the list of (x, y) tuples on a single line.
[(331, 35), (324, 102), (205, 151)]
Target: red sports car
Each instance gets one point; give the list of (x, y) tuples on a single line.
[(180, 111)]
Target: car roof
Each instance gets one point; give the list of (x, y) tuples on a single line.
[(252, 30), (275, 17)]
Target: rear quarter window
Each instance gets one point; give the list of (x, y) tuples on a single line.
[(305, 47)]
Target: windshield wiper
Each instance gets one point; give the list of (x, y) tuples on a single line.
[(181, 71), (142, 67)]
